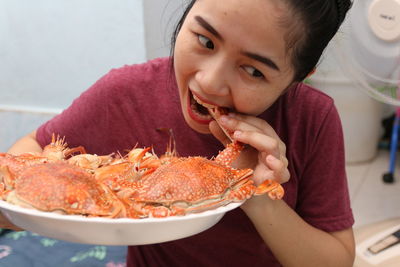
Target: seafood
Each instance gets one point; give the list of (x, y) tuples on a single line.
[(65, 188), (58, 149), (138, 162), (194, 184), (137, 185), (57, 180), (121, 175), (12, 165)]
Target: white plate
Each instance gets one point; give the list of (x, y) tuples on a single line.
[(105, 231)]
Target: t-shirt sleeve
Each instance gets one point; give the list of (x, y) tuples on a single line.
[(86, 121), (323, 199), (115, 113)]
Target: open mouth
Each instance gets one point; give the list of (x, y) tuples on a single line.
[(200, 109), (207, 112)]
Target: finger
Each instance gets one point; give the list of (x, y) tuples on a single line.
[(250, 134), (218, 133), (261, 142), (234, 124), (11, 227), (6, 224), (255, 122), (262, 173), (281, 172)]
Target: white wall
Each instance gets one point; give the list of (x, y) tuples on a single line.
[(160, 18), (52, 50)]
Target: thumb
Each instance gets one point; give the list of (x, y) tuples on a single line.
[(218, 133)]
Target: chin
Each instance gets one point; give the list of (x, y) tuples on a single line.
[(198, 127)]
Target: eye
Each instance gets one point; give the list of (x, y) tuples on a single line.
[(253, 72), (206, 42)]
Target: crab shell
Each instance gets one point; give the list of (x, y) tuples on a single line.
[(195, 184), (11, 166), (64, 188), (189, 185)]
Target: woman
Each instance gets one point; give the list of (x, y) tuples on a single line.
[(250, 58)]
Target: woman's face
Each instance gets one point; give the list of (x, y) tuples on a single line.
[(231, 53)]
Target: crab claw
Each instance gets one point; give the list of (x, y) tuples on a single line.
[(272, 188), (229, 154)]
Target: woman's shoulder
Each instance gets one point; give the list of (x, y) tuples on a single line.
[(145, 70), (304, 110), (309, 103), (309, 96), (129, 78)]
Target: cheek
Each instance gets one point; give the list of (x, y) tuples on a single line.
[(182, 66), (182, 50), (256, 102)]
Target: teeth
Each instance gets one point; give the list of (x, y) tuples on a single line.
[(202, 103)]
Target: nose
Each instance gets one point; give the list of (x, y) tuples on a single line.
[(214, 77)]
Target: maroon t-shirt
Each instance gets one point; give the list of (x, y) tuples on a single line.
[(127, 107)]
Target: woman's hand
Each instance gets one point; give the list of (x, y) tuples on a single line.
[(266, 154), (4, 223)]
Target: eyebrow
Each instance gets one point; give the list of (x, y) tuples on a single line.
[(208, 27), (266, 61)]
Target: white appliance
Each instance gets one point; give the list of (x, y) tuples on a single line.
[(371, 52), (370, 56)]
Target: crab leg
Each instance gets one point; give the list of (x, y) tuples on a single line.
[(216, 113), (274, 189), (140, 157), (58, 149), (229, 154), (245, 190)]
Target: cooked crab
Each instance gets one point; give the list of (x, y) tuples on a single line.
[(122, 174), (65, 188), (194, 184), (138, 162), (12, 165)]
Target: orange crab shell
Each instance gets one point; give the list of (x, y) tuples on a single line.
[(188, 185), (190, 179), (63, 187), (195, 184), (11, 166)]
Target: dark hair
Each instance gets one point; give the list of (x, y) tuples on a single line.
[(317, 22)]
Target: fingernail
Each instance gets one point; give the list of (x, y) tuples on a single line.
[(224, 119), (237, 134), (270, 158)]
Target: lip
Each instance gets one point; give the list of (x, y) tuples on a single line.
[(193, 116), (202, 99)]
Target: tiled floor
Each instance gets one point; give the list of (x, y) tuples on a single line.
[(372, 199)]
